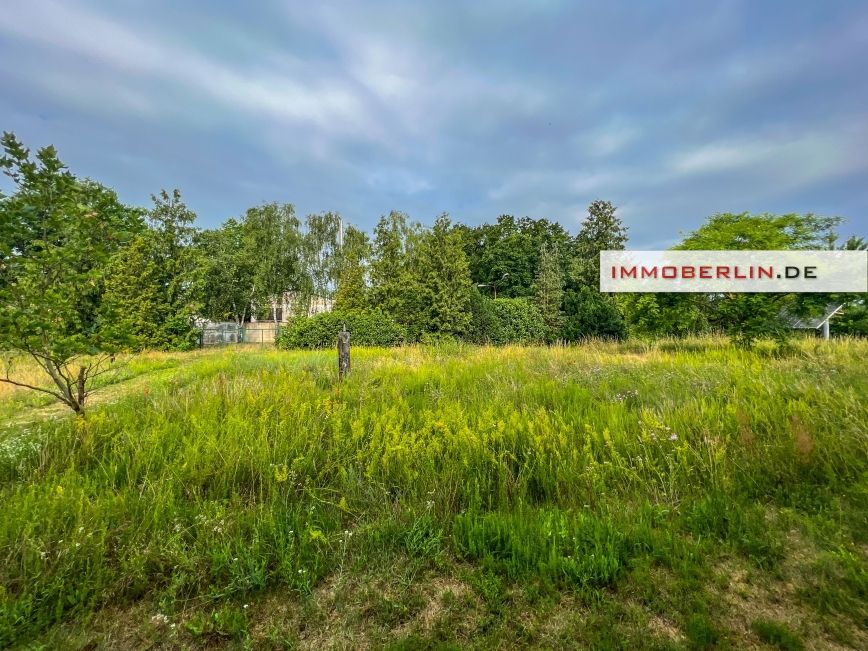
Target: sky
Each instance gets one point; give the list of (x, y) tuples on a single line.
[(673, 111)]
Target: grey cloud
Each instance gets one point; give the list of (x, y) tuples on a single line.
[(673, 111)]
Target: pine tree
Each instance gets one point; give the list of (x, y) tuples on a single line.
[(444, 280), (589, 313), (549, 291), (602, 230)]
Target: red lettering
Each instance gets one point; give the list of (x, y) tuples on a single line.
[(723, 272), (705, 272), (649, 273), (688, 272)]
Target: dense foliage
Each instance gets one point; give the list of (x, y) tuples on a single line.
[(81, 274), (152, 285), (501, 321), (58, 238)]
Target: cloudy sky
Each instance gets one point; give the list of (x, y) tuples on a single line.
[(671, 110)]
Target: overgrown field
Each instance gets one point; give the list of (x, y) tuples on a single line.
[(669, 495)]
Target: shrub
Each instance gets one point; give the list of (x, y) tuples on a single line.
[(592, 314), (366, 327), (506, 321)]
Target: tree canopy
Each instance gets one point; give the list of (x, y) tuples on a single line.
[(83, 276)]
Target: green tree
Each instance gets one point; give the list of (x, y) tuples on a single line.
[(444, 283), (394, 278), (748, 317), (352, 289), (154, 285), (587, 313), (319, 258), (58, 235), (226, 272), (853, 318), (549, 291), (273, 245), (505, 256), (761, 232), (602, 230)]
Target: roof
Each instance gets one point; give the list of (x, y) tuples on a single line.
[(807, 323)]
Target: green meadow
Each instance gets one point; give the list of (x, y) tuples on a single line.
[(669, 495)]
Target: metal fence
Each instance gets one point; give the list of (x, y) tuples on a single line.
[(220, 334)]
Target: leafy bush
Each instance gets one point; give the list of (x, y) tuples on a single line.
[(366, 328), (506, 321), (747, 318), (852, 320), (592, 314), (664, 314)]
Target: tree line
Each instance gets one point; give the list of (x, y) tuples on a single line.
[(83, 276)]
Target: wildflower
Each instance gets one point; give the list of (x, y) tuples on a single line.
[(281, 473), (674, 437), (159, 619)]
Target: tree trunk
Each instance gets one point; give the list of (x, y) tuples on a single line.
[(343, 353), (80, 386)]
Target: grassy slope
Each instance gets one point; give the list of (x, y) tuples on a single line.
[(664, 496)]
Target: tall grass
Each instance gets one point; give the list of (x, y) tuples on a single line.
[(217, 474)]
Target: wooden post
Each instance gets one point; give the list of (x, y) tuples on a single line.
[(826, 329), (343, 352)]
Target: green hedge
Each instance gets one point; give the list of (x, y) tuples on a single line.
[(506, 321), (366, 328)]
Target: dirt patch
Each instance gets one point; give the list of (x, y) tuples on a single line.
[(750, 597), (664, 628)]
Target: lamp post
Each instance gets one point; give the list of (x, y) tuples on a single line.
[(494, 284)]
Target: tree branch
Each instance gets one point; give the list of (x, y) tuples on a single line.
[(24, 385)]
